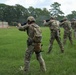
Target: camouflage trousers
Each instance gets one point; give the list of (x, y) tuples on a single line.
[(67, 35), (55, 35), (28, 54)]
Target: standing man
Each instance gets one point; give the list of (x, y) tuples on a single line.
[(33, 43), (66, 24), (73, 23), (55, 33)]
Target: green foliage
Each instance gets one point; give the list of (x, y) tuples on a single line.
[(72, 15), (18, 13), (12, 51), (55, 9)]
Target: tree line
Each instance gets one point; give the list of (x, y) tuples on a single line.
[(18, 13)]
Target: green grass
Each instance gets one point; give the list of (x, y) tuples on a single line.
[(12, 51)]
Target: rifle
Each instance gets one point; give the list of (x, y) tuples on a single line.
[(23, 23), (47, 20), (61, 21)]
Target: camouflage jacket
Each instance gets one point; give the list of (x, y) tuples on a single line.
[(53, 24), (66, 25), (29, 29), (73, 23)]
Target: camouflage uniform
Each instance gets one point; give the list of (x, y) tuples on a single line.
[(73, 23), (67, 30), (31, 46), (55, 34)]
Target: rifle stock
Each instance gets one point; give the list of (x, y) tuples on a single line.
[(23, 24), (47, 20), (61, 20)]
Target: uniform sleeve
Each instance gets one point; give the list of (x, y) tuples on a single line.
[(62, 23), (70, 25), (47, 23), (23, 28)]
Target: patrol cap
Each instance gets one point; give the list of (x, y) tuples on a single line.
[(31, 18)]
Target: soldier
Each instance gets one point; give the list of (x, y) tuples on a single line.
[(73, 23), (33, 44), (66, 24), (55, 33)]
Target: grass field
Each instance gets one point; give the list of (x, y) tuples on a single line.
[(12, 51)]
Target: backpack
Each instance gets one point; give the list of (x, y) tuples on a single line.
[(37, 34)]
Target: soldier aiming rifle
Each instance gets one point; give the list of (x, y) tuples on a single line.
[(55, 33), (33, 43)]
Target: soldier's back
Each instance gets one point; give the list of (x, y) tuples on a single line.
[(67, 25), (54, 24)]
